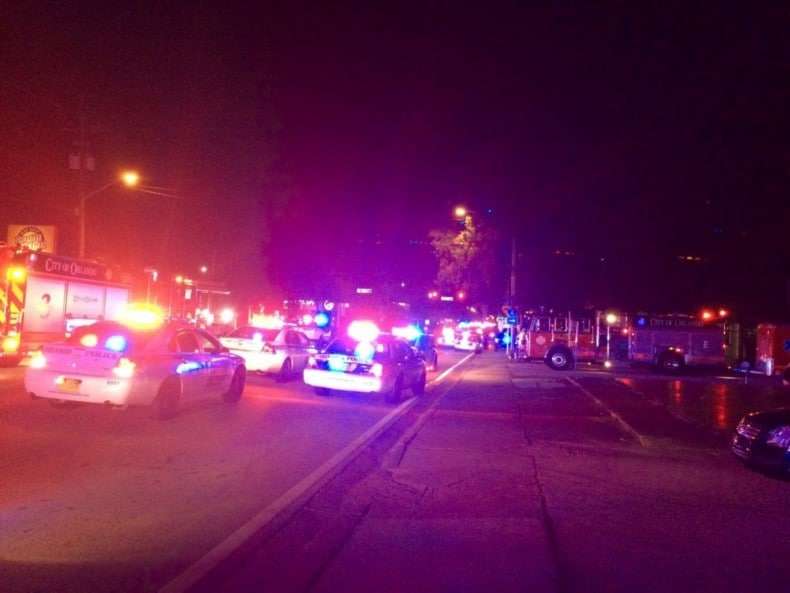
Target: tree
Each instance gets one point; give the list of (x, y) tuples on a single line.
[(465, 258)]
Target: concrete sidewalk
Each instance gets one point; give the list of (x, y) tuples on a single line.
[(461, 511)]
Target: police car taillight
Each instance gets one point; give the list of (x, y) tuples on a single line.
[(38, 361), (124, 369)]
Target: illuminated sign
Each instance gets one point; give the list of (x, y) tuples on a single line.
[(35, 237), (65, 266)]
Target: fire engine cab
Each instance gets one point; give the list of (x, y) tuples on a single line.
[(44, 297)]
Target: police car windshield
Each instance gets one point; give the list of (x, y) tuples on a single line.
[(347, 347)]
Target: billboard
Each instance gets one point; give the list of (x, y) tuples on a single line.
[(36, 237), (44, 305)]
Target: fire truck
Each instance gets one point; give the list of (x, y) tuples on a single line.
[(43, 297), (561, 340), (674, 342), (669, 342)]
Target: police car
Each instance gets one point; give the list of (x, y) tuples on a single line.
[(283, 351), (367, 361), (113, 363)]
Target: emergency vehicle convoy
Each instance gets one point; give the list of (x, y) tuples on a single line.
[(44, 297)]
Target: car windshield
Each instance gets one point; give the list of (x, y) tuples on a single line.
[(348, 347), (255, 333)]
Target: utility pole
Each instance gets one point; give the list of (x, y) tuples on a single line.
[(513, 261)]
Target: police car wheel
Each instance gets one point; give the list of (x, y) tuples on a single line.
[(166, 402), (419, 386), (393, 396), (236, 388), (285, 371)]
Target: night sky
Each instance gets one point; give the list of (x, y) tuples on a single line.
[(315, 146)]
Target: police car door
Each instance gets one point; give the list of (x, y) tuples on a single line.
[(189, 363), (218, 367), (297, 345)]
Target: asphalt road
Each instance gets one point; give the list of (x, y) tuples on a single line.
[(98, 499), (507, 476)]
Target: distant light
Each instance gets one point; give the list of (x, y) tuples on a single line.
[(607, 364), (142, 316), (307, 319), (203, 269), (179, 279), (460, 212), (403, 285), (329, 305), (723, 313), (130, 178), (707, 315), (266, 321), (116, 343), (506, 339), (365, 351), (363, 331), (447, 299), (321, 319), (364, 291), (641, 321), (227, 315), (89, 340), (409, 332), (611, 318), (461, 295), (448, 334)]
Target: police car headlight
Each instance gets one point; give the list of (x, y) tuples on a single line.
[(779, 437)]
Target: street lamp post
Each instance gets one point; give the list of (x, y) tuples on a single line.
[(129, 179)]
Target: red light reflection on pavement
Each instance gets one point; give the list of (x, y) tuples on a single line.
[(721, 412)]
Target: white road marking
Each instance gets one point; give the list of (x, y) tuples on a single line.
[(643, 442), (282, 509)]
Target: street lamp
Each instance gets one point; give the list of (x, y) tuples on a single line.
[(460, 212), (203, 269), (128, 179)]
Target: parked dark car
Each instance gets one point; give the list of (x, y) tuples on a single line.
[(763, 439)]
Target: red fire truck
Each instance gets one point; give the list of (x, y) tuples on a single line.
[(674, 342), (561, 340), (43, 297), (669, 342)]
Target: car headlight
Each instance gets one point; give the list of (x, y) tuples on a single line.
[(780, 437)]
